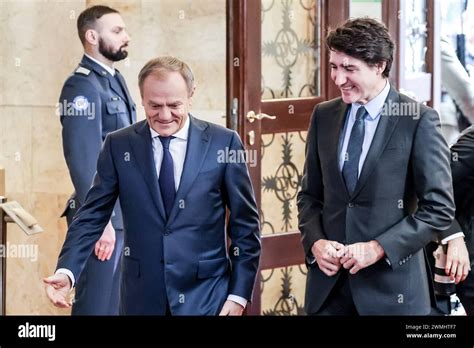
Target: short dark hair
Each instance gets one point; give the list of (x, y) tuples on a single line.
[(363, 38), (87, 19)]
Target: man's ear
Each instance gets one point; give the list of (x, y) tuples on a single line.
[(190, 98), (192, 92), (381, 67), (92, 37)]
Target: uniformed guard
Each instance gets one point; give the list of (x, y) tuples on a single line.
[(94, 102)]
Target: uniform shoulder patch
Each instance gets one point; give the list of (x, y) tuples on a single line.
[(80, 103), (83, 71)]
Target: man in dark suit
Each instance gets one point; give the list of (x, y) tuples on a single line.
[(174, 187), (95, 101), (462, 166), (376, 186)]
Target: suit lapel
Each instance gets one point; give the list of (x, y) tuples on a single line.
[(336, 139), (128, 97), (143, 151), (382, 135), (116, 87), (196, 152), (89, 63)]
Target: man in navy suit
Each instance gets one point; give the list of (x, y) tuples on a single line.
[(95, 101), (174, 189)]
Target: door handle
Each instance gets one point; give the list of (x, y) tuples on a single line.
[(251, 116)]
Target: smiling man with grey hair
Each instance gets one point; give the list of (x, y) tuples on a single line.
[(174, 194)]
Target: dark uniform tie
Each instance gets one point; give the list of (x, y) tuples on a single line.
[(350, 169), (166, 179)]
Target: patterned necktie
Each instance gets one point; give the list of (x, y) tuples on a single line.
[(166, 179), (350, 170)]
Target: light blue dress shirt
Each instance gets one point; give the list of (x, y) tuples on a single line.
[(374, 109)]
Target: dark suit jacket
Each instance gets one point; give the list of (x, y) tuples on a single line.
[(462, 166), (403, 199), (183, 260), (110, 107)]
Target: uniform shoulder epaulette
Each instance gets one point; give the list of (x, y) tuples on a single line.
[(83, 71)]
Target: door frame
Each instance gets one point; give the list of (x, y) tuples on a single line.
[(243, 44), (243, 23)]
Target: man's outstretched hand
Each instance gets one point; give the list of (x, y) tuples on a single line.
[(57, 288)]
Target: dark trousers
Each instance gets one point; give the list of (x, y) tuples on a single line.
[(467, 302), (97, 289), (339, 300)]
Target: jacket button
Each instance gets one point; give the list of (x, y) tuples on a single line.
[(351, 205), (167, 232)]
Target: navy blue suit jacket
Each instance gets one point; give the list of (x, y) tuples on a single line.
[(92, 104), (185, 259)]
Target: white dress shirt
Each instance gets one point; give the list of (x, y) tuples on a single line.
[(107, 68), (177, 149)]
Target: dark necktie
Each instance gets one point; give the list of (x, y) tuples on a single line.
[(350, 169), (166, 179)]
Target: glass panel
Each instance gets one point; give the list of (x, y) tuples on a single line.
[(290, 48), (283, 290), (416, 31), (362, 8), (282, 170)]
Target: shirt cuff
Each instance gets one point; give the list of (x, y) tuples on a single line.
[(453, 236), (68, 273), (237, 299)]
